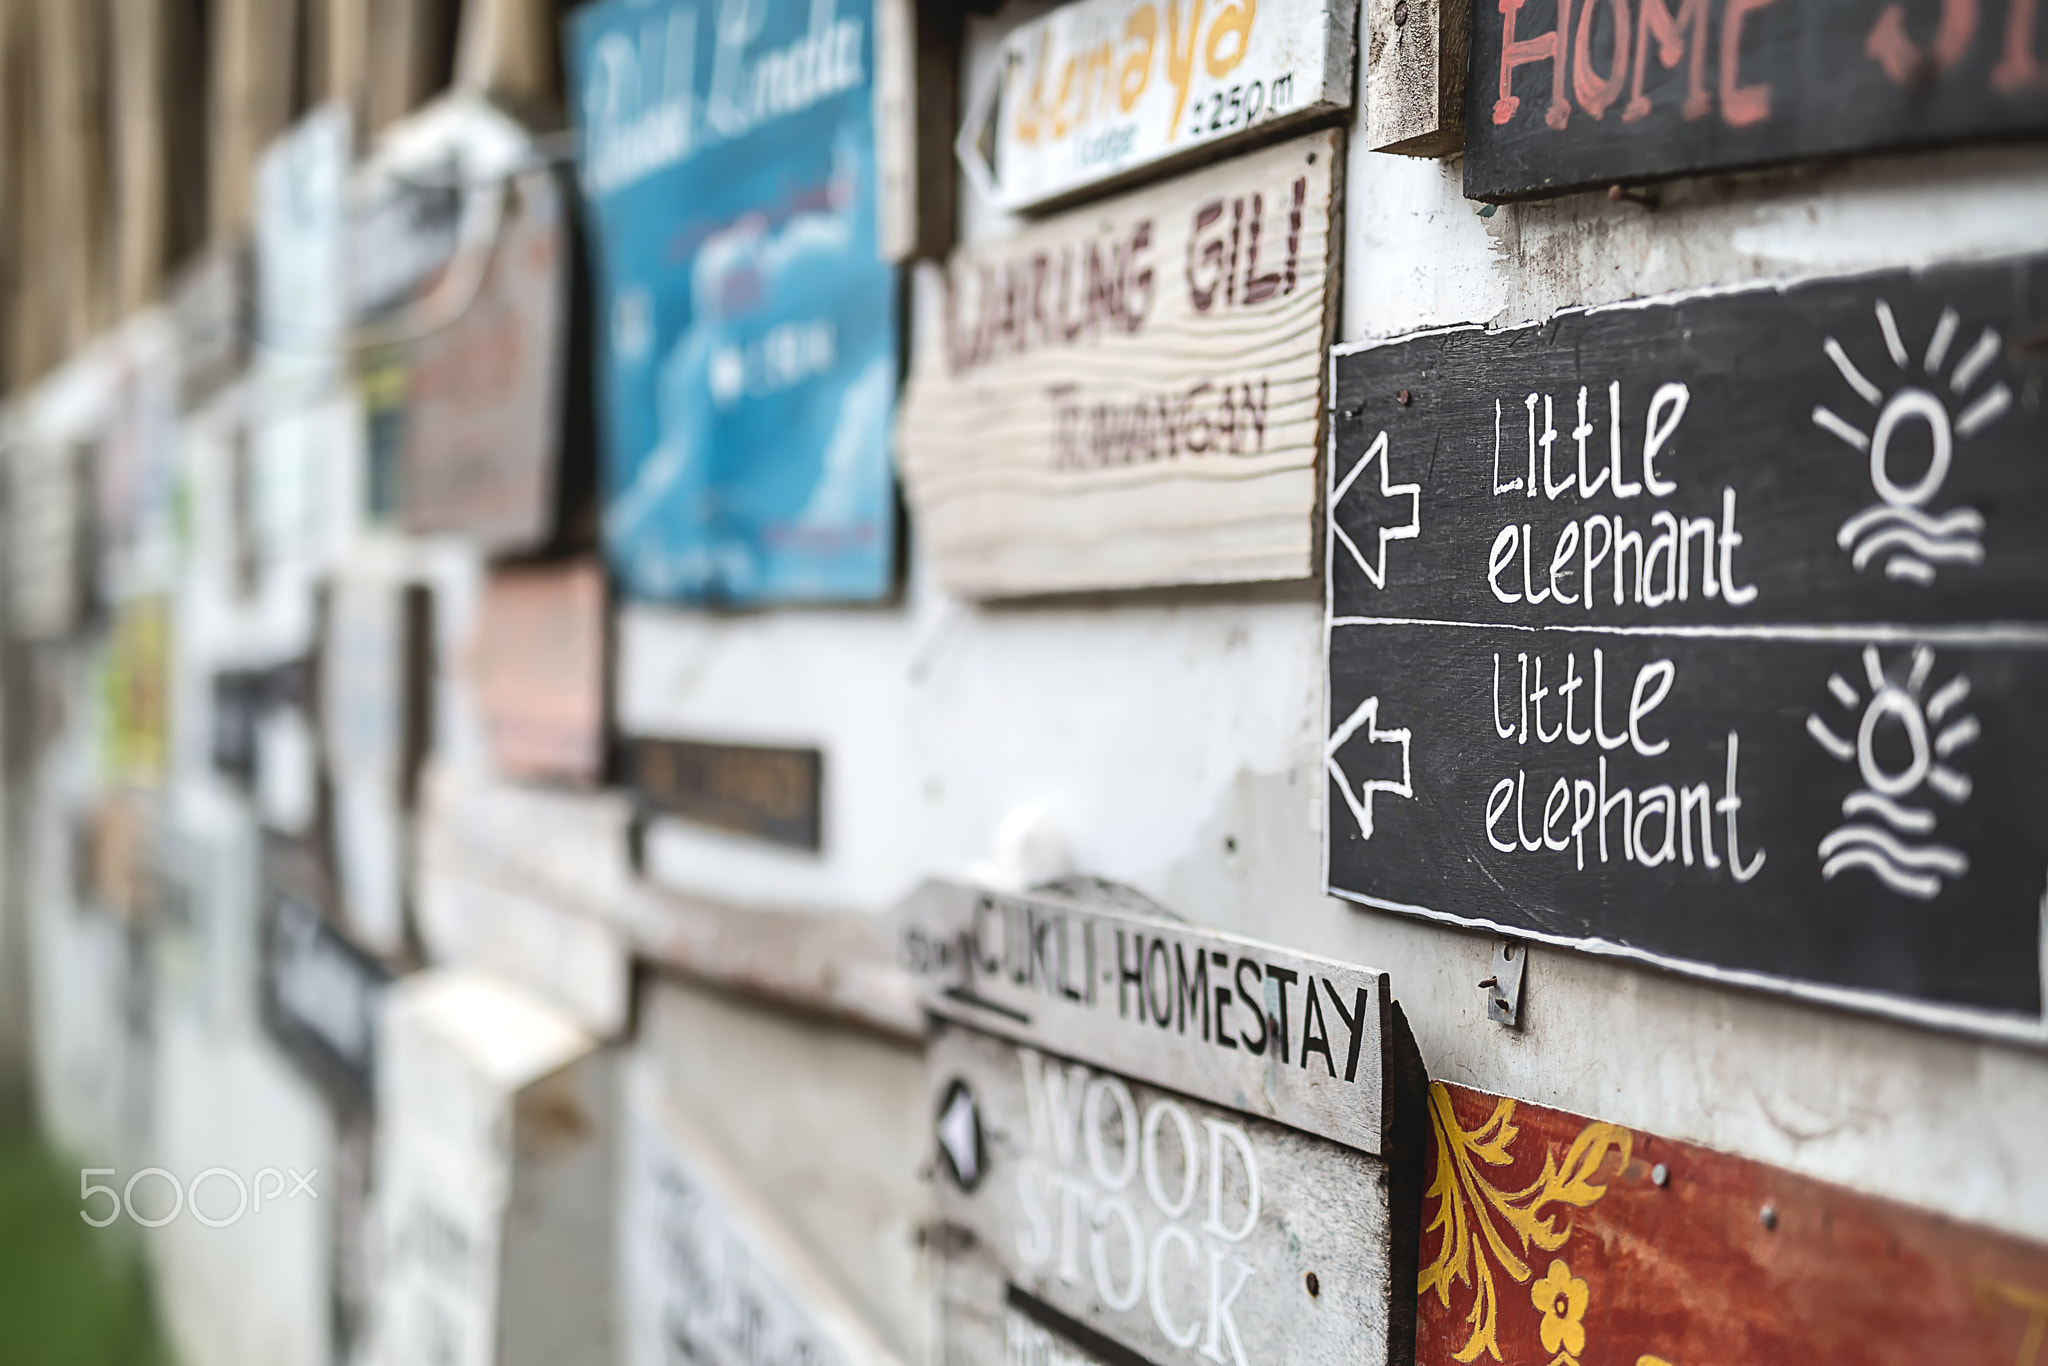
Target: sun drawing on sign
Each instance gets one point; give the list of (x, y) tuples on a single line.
[(1901, 527), (1884, 831)]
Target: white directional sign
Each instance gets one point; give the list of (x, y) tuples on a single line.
[(1291, 1037), (1100, 91)]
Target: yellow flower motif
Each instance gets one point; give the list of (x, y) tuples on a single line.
[(1561, 1298)]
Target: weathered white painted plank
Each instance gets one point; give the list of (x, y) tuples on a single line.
[(1089, 1218), (1132, 394), (495, 1193), (707, 1273), (1274, 1033), (1415, 53), (1101, 91)]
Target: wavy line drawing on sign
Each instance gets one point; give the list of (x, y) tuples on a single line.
[(1881, 830)]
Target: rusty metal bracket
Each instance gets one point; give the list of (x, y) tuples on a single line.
[(1504, 988)]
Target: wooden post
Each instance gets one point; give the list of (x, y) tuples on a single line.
[(1415, 76), (917, 105), (506, 49), (72, 187), (250, 102), (410, 44)]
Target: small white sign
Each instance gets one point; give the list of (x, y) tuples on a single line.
[(1101, 89), (1268, 1031)]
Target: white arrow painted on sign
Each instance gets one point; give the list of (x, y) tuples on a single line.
[(957, 1136), (1360, 802), (1377, 570)]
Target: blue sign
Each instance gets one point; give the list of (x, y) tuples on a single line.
[(748, 324)]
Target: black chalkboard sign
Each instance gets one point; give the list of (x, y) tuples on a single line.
[(1713, 630), (1566, 95)]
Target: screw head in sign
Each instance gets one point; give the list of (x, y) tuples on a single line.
[(1660, 1174), (1769, 1215), (1400, 12)]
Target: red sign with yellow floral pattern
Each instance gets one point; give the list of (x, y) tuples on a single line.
[(1553, 1240)]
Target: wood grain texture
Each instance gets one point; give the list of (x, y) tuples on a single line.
[(1544, 1231), (572, 849), (1415, 55), (506, 49), (1132, 394), (250, 82), (1099, 1217), (1298, 1039), (1570, 96), (836, 965)]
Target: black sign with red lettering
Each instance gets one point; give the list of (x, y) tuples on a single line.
[(1570, 94), (1711, 630)]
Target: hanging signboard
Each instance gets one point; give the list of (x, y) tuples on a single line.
[(320, 993), (706, 1272), (1132, 393), (482, 447), (495, 1180), (749, 326), (1709, 631), (1286, 1036), (1565, 96), (1544, 1232), (1100, 91), (771, 793), (541, 664), (1093, 1217)]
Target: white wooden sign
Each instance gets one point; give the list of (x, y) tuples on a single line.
[(1102, 90), (1132, 394), (47, 523), (1096, 1219), (372, 694), (706, 1272), (1275, 1033), (494, 1198)]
